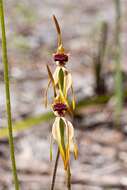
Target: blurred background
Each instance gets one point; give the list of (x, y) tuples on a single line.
[(92, 33)]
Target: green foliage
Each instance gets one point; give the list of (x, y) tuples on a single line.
[(27, 123)]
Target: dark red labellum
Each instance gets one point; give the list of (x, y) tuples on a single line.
[(61, 57), (60, 108)]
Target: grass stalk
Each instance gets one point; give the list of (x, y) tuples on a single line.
[(7, 89)]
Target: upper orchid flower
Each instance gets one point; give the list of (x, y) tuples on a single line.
[(61, 79)]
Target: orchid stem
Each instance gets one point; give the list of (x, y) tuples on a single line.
[(55, 170), (7, 89), (68, 178)]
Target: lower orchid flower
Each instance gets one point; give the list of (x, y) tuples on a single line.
[(63, 134)]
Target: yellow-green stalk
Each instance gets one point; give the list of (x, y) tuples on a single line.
[(7, 89)]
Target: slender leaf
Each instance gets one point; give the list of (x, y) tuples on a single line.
[(52, 80)]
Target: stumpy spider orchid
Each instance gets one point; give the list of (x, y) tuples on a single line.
[(61, 81)]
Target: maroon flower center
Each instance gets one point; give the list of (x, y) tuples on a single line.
[(60, 108), (60, 57)]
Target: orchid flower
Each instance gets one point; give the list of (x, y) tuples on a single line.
[(61, 80), (63, 134)]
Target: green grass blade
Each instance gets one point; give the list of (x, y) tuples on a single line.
[(8, 102), (27, 123)]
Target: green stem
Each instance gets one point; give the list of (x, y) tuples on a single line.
[(7, 89), (55, 170), (68, 178)]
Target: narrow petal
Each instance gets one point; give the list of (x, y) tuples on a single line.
[(62, 153), (61, 80), (67, 156), (69, 137), (70, 130), (58, 135), (58, 30), (56, 75), (46, 94), (73, 97), (51, 148), (75, 151), (55, 129), (62, 143), (52, 80), (67, 82), (74, 148)]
